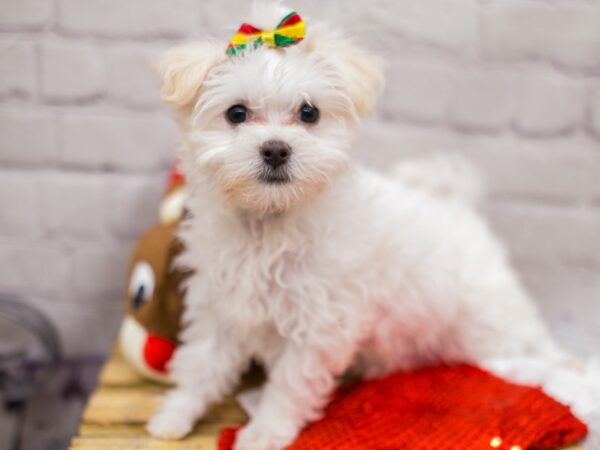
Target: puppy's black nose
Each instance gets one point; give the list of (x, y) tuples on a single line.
[(275, 153)]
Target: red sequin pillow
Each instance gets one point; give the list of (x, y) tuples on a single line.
[(438, 408)]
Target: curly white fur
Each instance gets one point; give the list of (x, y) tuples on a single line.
[(340, 267)]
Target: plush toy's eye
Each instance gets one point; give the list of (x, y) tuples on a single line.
[(237, 114), (308, 113), (141, 284)]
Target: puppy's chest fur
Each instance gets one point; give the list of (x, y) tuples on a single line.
[(265, 273), (277, 263)]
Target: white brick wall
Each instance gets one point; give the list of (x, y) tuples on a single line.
[(130, 19), (71, 71), (412, 82), (27, 138), (549, 104), (17, 71), (131, 80), (28, 15), (595, 109), (21, 205), (121, 141), (564, 32), (85, 144), (482, 100)]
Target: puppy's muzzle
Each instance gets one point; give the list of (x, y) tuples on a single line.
[(275, 153)]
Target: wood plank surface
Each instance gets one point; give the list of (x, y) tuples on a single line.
[(116, 413)]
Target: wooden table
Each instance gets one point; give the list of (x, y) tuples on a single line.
[(119, 408), (117, 411)]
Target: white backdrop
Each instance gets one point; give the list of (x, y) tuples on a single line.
[(85, 143)]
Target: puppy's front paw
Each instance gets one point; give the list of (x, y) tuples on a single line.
[(169, 425), (255, 437)]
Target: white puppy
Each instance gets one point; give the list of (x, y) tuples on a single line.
[(306, 261)]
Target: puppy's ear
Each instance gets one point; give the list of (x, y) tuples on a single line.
[(182, 71), (360, 72)]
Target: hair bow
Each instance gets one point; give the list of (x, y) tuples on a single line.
[(289, 31)]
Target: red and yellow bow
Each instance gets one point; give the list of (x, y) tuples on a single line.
[(289, 31)]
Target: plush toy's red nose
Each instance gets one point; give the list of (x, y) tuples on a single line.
[(157, 352)]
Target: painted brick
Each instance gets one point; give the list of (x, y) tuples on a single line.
[(134, 18), (569, 320), (562, 170), (86, 326), (25, 14), (132, 143), (134, 202), (90, 328), (418, 92), (548, 104), (18, 69), (75, 205), (27, 138), (33, 266), (99, 269), (549, 235), (483, 100), (131, 79), (563, 32), (20, 204), (449, 24), (72, 71), (219, 22), (595, 110), (383, 143)]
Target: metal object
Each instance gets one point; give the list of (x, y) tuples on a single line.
[(29, 356)]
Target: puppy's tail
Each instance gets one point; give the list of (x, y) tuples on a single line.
[(445, 176)]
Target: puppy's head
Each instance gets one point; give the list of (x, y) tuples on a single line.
[(270, 127)]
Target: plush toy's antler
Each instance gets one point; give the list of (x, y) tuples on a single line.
[(171, 207)]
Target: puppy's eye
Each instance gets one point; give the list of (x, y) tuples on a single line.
[(308, 113), (237, 114)]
